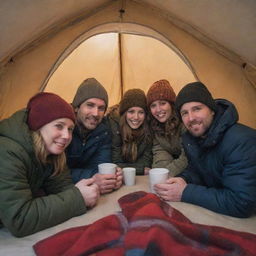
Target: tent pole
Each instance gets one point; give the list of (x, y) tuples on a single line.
[(121, 63)]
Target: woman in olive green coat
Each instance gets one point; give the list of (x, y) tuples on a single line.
[(36, 190), (166, 128), (131, 139)]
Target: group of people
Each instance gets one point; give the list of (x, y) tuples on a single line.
[(50, 152)]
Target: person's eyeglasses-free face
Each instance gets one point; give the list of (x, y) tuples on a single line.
[(57, 135), (197, 118), (91, 112), (161, 110), (135, 117)]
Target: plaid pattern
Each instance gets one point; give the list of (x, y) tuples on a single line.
[(147, 226)]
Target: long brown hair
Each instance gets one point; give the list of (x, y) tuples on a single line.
[(166, 129), (131, 138), (58, 161)]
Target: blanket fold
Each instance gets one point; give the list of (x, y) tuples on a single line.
[(150, 227)]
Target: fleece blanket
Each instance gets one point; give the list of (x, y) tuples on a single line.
[(150, 227)]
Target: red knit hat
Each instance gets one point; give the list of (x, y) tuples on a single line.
[(45, 107), (160, 90)]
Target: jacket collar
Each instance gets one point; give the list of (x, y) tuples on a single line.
[(225, 116)]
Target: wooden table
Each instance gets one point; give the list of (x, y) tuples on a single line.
[(10, 245)]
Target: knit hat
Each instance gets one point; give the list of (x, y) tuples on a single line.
[(90, 88), (133, 98), (45, 107), (197, 92), (160, 90)]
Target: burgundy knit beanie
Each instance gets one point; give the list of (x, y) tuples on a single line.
[(160, 90), (133, 98), (45, 107)]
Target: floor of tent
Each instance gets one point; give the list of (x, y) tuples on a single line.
[(10, 245)]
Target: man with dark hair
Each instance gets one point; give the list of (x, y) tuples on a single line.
[(91, 143), (221, 174)]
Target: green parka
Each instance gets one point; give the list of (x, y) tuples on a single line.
[(169, 154), (144, 158), (22, 210)]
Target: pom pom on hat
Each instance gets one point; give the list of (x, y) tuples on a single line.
[(45, 107), (160, 90), (133, 98)]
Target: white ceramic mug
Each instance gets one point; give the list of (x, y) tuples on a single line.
[(157, 176), (129, 174), (107, 168)]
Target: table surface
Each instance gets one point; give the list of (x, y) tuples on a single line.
[(107, 204)]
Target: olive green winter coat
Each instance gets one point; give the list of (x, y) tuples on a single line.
[(22, 210), (169, 153)]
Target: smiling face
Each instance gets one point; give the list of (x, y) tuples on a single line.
[(57, 135), (91, 112), (161, 110), (135, 117), (197, 117)]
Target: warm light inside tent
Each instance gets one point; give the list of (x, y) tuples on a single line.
[(137, 61)]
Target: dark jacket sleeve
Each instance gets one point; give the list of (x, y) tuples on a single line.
[(83, 160), (116, 142), (237, 194), (20, 211), (102, 155), (190, 175)]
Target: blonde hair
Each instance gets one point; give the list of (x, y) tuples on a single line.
[(58, 161)]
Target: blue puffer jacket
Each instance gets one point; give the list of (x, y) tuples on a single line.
[(83, 158), (222, 167)]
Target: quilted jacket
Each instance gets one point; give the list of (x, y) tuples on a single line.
[(222, 167), (22, 178), (83, 157)]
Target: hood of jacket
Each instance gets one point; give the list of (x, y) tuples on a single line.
[(16, 129), (225, 117), (113, 113)]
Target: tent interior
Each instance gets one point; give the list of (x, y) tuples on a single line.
[(54, 45)]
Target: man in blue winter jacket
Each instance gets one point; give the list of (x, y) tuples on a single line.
[(221, 174), (91, 143)]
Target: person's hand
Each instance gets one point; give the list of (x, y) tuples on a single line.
[(119, 177), (89, 191), (146, 170), (172, 190), (106, 182)]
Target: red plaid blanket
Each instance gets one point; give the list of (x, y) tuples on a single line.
[(147, 226)]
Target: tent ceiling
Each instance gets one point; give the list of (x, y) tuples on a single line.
[(230, 24)]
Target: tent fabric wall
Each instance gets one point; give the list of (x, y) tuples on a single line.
[(144, 59), (96, 57), (30, 71)]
